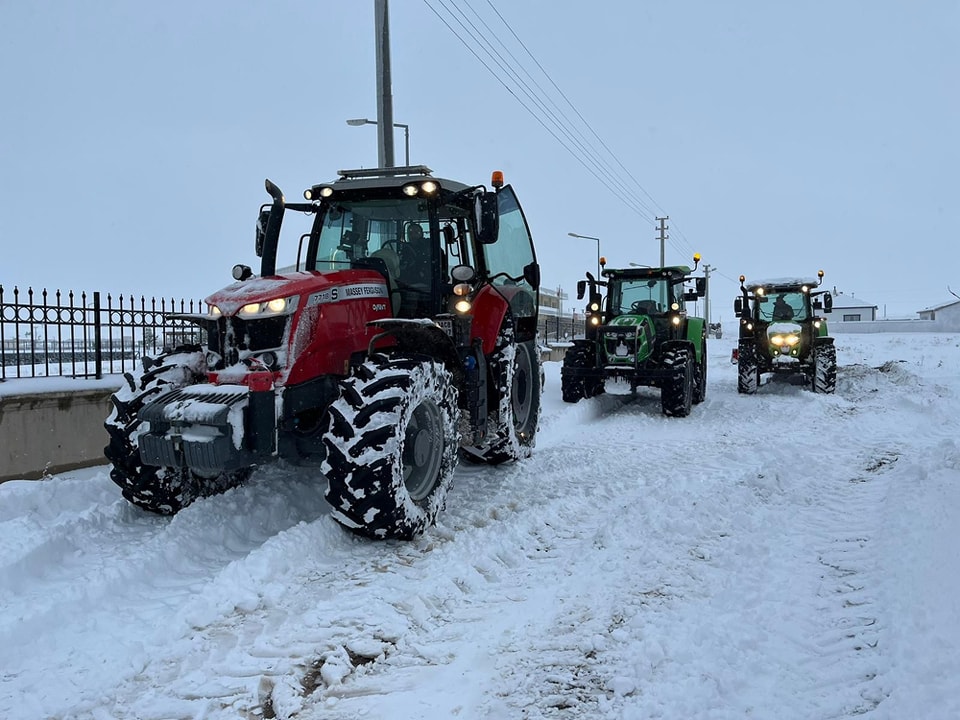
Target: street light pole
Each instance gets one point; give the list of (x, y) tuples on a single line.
[(356, 122), (589, 237)]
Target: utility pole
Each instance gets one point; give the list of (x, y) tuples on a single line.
[(663, 238), (384, 91), (707, 269)]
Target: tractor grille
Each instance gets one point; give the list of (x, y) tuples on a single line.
[(235, 337)]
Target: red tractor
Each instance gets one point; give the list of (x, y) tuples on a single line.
[(401, 340)]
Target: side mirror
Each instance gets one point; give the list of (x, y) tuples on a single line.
[(691, 296), (738, 307), (701, 286), (531, 273), (262, 221), (487, 218), (581, 289), (827, 302)]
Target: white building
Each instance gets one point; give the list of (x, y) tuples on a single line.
[(946, 315), (847, 308)]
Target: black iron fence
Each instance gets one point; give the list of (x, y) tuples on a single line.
[(79, 335), (560, 329)]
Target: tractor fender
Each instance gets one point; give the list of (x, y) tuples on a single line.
[(676, 344), (419, 337), (697, 334), (490, 309)]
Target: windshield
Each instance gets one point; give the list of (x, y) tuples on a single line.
[(644, 295), (782, 306)]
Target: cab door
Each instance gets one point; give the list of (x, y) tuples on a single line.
[(512, 265)]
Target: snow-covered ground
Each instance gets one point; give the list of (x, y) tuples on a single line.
[(783, 555)]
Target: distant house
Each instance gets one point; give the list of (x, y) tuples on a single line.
[(847, 308), (947, 314)]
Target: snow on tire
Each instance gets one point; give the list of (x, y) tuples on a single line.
[(392, 440), (513, 424)]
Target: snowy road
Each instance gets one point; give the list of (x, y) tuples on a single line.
[(783, 555)]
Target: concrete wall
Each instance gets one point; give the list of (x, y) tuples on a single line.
[(891, 326), (51, 432)]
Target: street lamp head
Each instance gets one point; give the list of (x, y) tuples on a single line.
[(356, 122)]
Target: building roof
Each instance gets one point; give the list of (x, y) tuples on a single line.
[(941, 306), (849, 301)]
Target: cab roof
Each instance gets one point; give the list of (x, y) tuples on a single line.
[(642, 273), (782, 284), (393, 177)]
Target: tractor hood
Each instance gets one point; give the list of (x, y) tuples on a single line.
[(783, 328), (263, 289)]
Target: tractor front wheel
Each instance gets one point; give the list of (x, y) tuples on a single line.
[(160, 490), (824, 368), (748, 369), (391, 439), (574, 387), (676, 393)]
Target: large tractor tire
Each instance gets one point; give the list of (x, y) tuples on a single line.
[(515, 405), (748, 369), (676, 393), (700, 375), (164, 491), (824, 367), (573, 388), (392, 439)]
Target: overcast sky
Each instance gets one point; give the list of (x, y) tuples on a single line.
[(779, 138)]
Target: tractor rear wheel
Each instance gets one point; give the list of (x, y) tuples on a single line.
[(700, 376), (748, 370), (392, 439), (164, 491), (676, 393), (514, 419), (824, 368)]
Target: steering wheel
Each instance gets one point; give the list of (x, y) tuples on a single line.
[(640, 307)]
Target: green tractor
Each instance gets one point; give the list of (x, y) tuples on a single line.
[(640, 333), (782, 333)]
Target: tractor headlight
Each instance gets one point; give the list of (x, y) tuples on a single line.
[(594, 307), (462, 289), (595, 320), (784, 340), (214, 312), (675, 319), (269, 308), (462, 306)]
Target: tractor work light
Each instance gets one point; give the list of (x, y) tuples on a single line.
[(760, 291), (594, 307), (462, 289), (317, 191), (427, 188), (214, 311), (269, 308)]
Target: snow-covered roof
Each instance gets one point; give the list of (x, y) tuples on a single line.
[(849, 301), (941, 306)]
